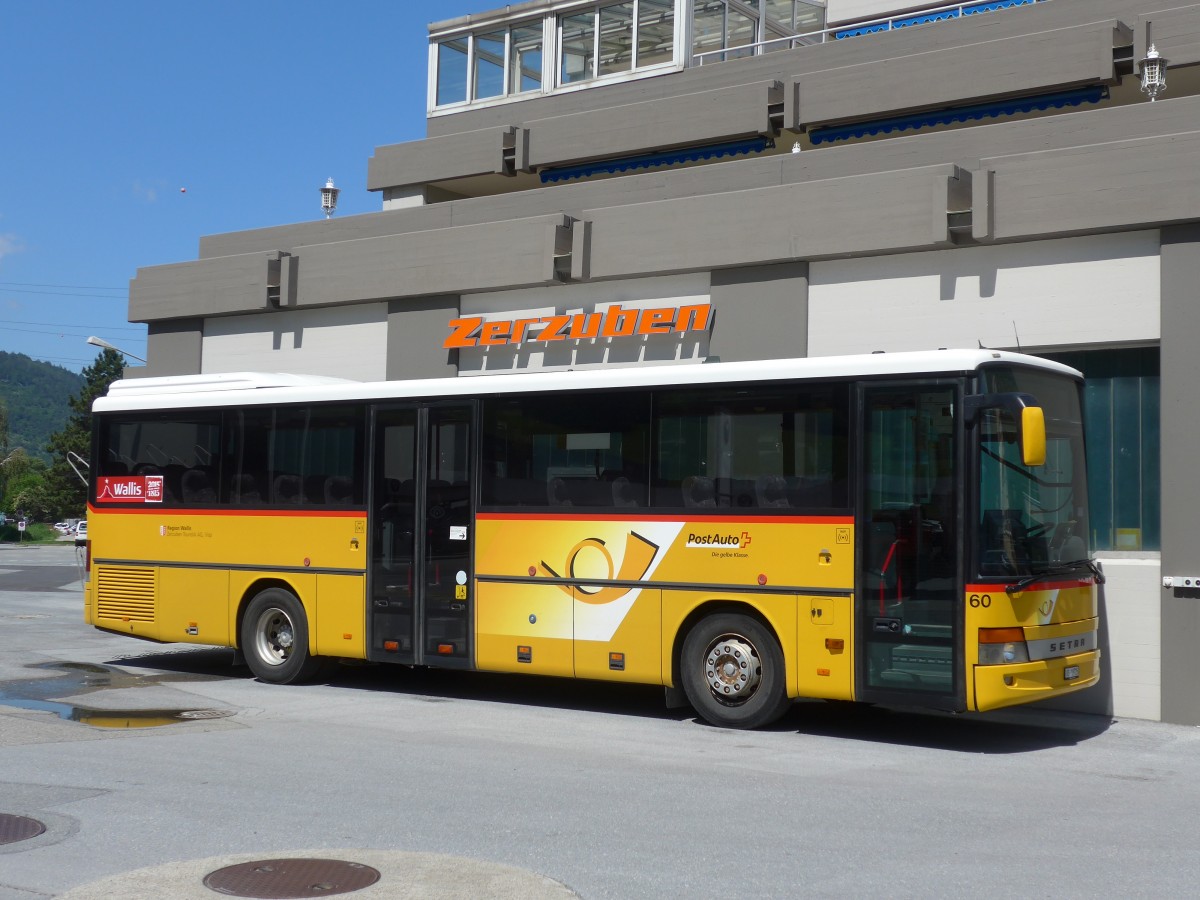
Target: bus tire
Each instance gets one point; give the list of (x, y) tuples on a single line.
[(275, 638), (732, 671)]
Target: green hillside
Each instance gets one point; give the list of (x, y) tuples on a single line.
[(36, 394)]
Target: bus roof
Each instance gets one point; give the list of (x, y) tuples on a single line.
[(254, 388)]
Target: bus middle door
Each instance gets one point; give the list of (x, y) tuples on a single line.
[(421, 517)]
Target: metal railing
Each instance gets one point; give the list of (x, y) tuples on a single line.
[(857, 29)]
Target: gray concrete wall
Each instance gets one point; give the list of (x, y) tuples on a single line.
[(416, 330), (174, 347), (760, 312), (1039, 63), (1180, 435)]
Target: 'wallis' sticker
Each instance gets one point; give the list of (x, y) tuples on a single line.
[(130, 488)]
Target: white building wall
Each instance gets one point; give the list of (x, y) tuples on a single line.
[(1133, 602), (1066, 293), (343, 342), (1070, 293)]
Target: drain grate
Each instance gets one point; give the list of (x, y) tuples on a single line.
[(283, 879), (18, 828)]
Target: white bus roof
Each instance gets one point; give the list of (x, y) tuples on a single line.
[(256, 388)]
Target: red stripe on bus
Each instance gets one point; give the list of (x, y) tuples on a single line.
[(1036, 586), (686, 517), (156, 510)]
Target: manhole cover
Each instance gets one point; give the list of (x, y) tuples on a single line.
[(19, 828), (281, 879)]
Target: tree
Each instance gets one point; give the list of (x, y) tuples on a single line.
[(66, 495)]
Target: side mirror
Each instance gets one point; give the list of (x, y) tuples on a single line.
[(1033, 436), (1030, 418)]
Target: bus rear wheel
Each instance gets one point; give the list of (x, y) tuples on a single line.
[(732, 672), (275, 638)]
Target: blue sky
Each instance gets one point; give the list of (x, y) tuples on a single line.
[(113, 109)]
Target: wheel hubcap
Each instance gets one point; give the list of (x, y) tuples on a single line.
[(276, 636), (732, 668)]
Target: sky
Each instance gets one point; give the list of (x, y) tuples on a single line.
[(131, 128)]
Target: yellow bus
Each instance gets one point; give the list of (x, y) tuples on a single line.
[(906, 529)]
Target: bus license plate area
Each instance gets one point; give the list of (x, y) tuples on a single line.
[(1070, 673)]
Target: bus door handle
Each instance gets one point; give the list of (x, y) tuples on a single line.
[(354, 543), (886, 626)]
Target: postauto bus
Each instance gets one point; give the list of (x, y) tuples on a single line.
[(907, 528)]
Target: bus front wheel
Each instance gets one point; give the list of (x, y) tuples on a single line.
[(275, 638), (732, 672)]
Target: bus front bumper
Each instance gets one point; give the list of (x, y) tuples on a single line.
[(1000, 686)]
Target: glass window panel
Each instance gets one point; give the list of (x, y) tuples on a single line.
[(749, 449), (656, 32), (1032, 516), (489, 65), (808, 17), (452, 71), (578, 48), (1122, 405), (708, 26), (779, 13), (616, 38), (566, 451), (184, 452), (525, 65), (739, 32)]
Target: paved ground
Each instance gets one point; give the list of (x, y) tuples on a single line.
[(152, 766)]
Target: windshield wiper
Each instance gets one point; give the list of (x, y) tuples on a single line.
[(1065, 568)]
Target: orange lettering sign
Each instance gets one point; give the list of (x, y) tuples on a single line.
[(614, 322)]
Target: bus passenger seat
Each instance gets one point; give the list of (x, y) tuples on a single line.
[(286, 490), (698, 490), (771, 491), (196, 487), (244, 490), (338, 490), (623, 492), (556, 493)]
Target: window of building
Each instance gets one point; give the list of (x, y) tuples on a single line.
[(593, 40), (728, 29), (1121, 411), (615, 38), (494, 63)]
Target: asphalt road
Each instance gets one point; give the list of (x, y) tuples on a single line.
[(152, 765)]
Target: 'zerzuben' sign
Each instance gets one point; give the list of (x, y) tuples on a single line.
[(475, 331)]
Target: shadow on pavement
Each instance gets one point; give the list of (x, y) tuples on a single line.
[(1021, 730)]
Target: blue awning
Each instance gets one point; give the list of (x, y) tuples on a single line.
[(921, 19), (652, 160), (959, 114)]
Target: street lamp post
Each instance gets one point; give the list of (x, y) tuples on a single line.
[(100, 342)]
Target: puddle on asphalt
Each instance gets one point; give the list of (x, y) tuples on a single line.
[(85, 678)]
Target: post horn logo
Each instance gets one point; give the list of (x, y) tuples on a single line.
[(635, 563)]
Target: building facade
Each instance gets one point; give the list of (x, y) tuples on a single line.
[(756, 179)]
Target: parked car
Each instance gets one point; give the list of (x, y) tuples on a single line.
[(62, 527), (81, 532)]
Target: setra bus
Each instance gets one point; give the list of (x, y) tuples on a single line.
[(902, 528)]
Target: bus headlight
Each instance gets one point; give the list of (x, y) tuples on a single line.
[(1001, 646)]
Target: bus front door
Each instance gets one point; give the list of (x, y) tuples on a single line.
[(909, 585), (421, 516)]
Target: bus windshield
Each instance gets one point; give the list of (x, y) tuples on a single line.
[(1032, 520)]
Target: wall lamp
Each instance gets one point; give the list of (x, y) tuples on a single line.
[(1154, 73), (329, 195)]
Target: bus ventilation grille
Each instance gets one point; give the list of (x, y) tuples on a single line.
[(125, 593)]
